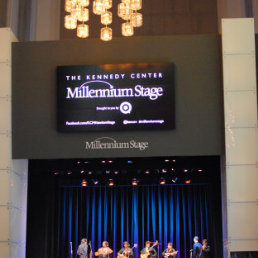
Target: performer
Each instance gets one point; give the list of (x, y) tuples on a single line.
[(104, 251), (197, 248), (170, 252), (84, 249), (205, 249), (149, 251), (126, 251)]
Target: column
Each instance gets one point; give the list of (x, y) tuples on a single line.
[(13, 173), (240, 111)]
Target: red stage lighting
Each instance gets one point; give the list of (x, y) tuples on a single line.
[(134, 181), (111, 182), (162, 181), (84, 183)]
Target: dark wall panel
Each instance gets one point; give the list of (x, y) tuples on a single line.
[(198, 91), (3, 13)]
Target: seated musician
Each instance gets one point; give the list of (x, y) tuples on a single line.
[(148, 251), (104, 251), (126, 251), (169, 252)]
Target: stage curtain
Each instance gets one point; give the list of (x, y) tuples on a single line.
[(167, 213)]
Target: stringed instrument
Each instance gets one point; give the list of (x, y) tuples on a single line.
[(147, 254), (170, 254), (125, 255)]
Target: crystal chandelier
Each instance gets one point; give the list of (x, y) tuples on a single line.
[(77, 14)]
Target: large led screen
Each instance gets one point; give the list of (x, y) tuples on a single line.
[(115, 97)]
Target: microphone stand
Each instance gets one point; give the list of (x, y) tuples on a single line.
[(158, 250)]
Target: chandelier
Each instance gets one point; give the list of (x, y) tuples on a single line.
[(77, 15)]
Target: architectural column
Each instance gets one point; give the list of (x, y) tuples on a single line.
[(13, 173), (240, 110)]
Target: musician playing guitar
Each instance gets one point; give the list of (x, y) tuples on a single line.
[(170, 252), (149, 251), (104, 251), (126, 251)]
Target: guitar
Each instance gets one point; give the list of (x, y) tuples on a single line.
[(170, 254), (147, 254), (123, 255)]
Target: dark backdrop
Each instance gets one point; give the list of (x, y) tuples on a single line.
[(198, 96)]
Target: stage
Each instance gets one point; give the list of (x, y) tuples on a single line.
[(167, 199)]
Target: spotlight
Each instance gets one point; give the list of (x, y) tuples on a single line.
[(110, 161), (199, 170), (185, 170), (103, 161), (82, 171), (162, 181), (86, 162), (166, 160), (164, 171), (56, 173), (89, 173), (174, 160), (135, 181), (84, 183), (111, 182), (129, 161), (188, 181), (147, 172), (95, 182), (78, 162), (69, 172), (116, 172), (107, 172), (172, 169), (174, 180)]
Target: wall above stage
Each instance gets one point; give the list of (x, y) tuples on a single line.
[(198, 97)]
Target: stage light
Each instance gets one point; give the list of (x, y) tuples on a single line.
[(174, 180), (56, 173), (78, 162), (107, 172), (95, 182), (116, 172), (103, 161), (111, 182), (188, 181), (166, 160), (174, 160), (129, 161), (185, 170), (162, 181), (164, 171), (84, 183), (199, 170), (110, 161), (147, 172), (69, 172), (82, 171), (86, 162), (135, 181), (172, 169), (89, 173)]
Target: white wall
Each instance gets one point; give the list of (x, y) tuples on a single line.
[(13, 173), (240, 110)]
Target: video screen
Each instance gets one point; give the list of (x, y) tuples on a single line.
[(115, 97)]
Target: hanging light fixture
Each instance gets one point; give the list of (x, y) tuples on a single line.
[(77, 15)]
